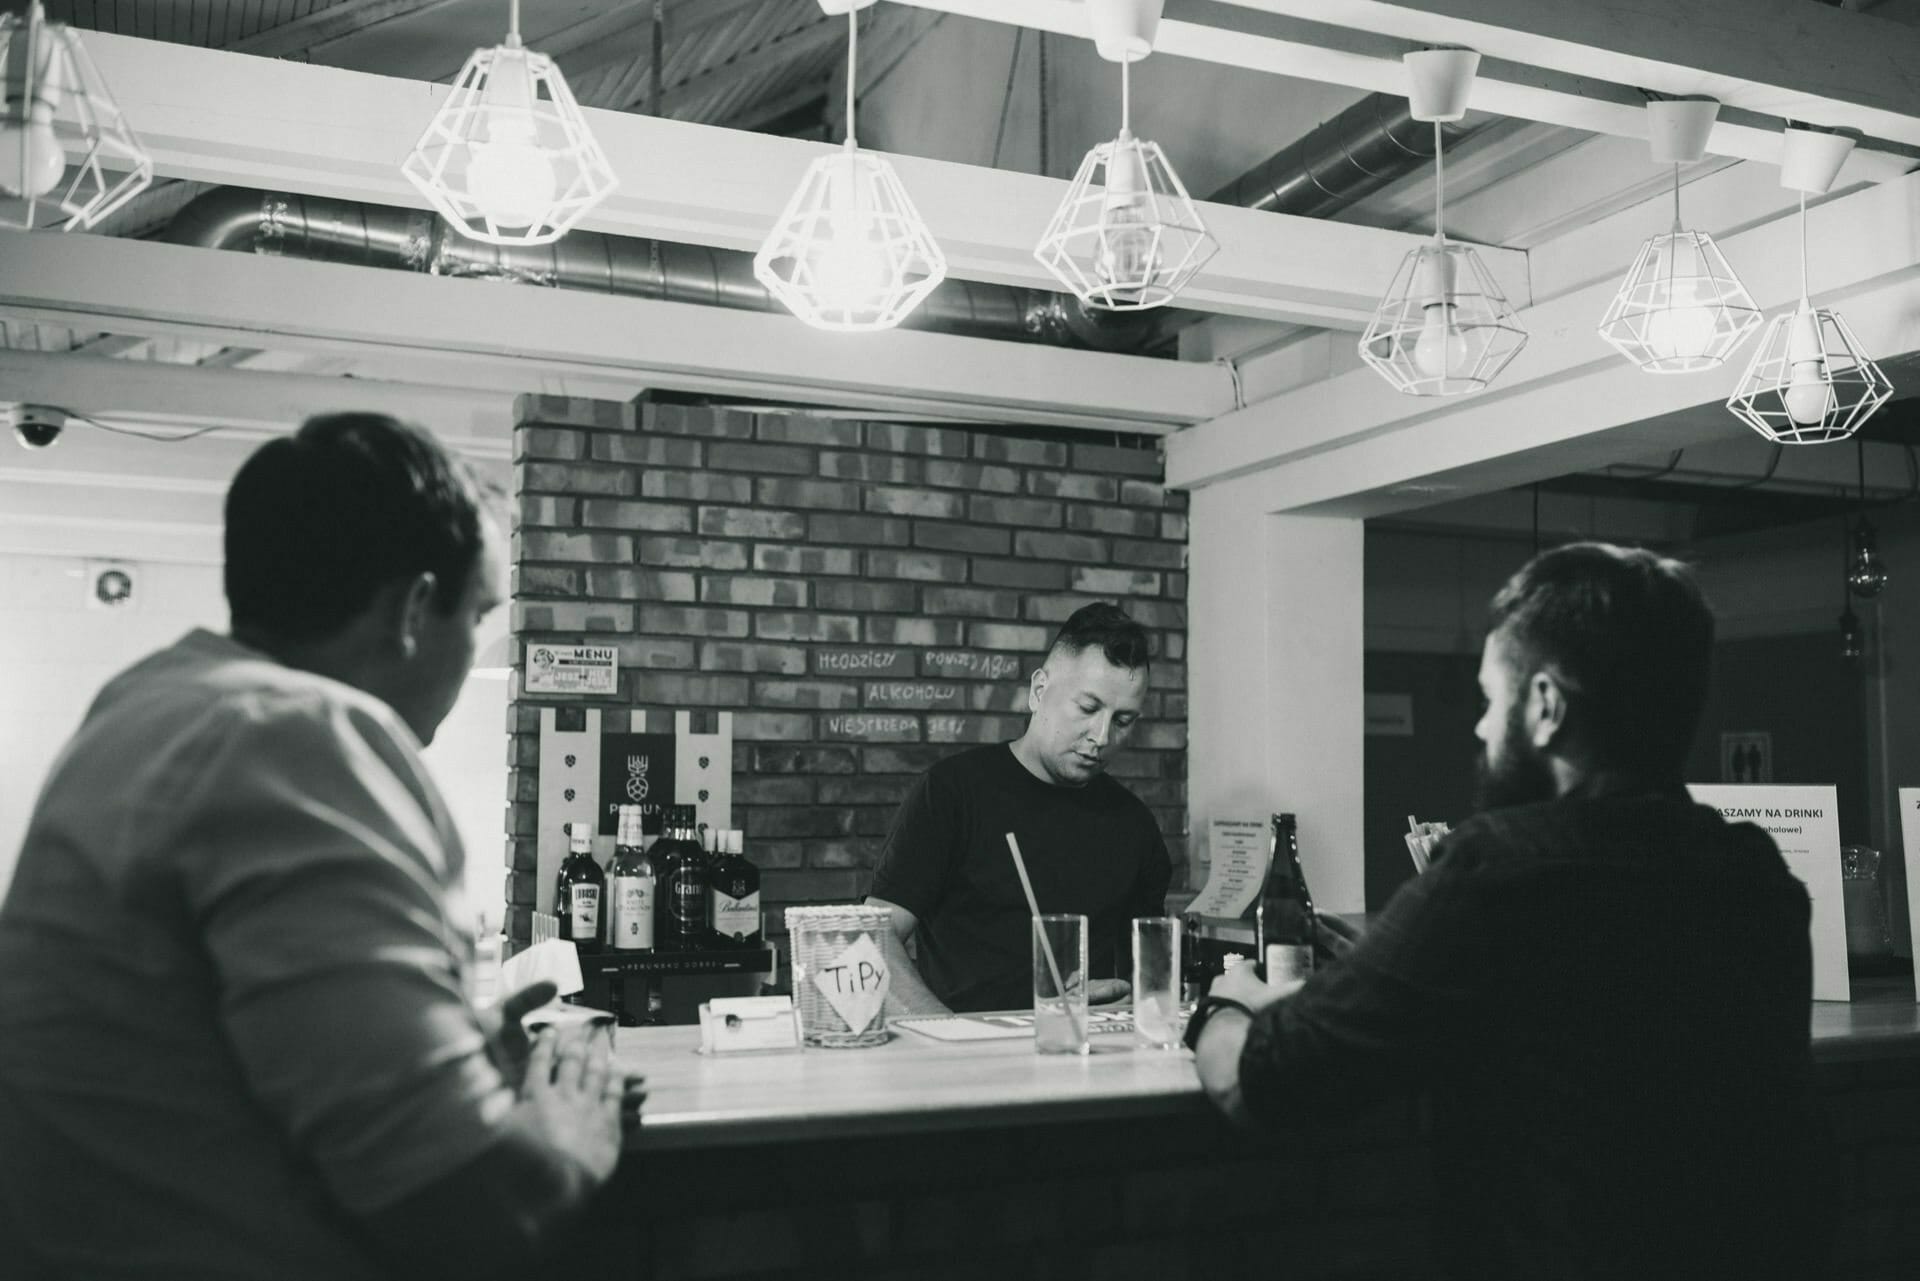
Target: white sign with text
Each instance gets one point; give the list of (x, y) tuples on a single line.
[(1910, 839), (1805, 823), (572, 669), (1236, 867)]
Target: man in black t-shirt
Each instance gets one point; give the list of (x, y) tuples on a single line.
[(1090, 845)]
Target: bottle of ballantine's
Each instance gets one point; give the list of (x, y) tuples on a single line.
[(632, 889), (680, 869), (734, 896), (1285, 922), (580, 892)]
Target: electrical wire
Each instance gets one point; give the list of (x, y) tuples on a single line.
[(129, 431), (1006, 96)]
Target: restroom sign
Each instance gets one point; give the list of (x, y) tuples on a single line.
[(572, 669)]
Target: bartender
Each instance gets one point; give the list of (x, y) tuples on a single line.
[(1091, 846)]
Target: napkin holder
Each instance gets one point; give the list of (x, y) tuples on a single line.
[(749, 1025)]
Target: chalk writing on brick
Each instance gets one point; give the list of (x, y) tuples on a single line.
[(898, 693), (961, 662), (870, 662), (867, 726)]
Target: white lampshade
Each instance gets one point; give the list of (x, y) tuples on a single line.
[(1810, 382), (1443, 328), (1127, 236), (1681, 308), (850, 252), (504, 162), (57, 104)]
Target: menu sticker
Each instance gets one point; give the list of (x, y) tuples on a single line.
[(572, 669), (1237, 856), (1910, 839), (1805, 823), (855, 983)]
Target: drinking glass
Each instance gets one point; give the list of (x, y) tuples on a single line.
[(1156, 980), (1060, 984)]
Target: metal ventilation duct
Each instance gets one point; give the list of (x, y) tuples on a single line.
[(1361, 150)]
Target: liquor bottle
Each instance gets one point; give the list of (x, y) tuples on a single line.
[(734, 895), (1196, 976), (632, 890), (580, 892), (680, 872), (1285, 923)]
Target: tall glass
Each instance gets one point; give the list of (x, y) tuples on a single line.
[(1156, 980), (1060, 984)]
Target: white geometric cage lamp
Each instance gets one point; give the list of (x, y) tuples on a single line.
[(1127, 236), (1810, 381), (56, 102), (508, 158), (1681, 307), (850, 253), (1443, 328)]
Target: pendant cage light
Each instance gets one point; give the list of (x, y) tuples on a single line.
[(1444, 327), (1810, 381), (508, 159), (850, 253), (1127, 236), (57, 104)]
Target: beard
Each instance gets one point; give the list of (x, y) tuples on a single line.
[(1516, 774)]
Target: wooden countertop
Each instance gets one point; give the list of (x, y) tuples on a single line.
[(915, 1085)]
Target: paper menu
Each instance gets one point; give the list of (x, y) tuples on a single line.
[(1805, 823), (1910, 841), (1237, 867)]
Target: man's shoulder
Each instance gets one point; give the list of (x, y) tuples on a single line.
[(976, 764)]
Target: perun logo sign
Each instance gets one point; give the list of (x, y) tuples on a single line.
[(637, 787)]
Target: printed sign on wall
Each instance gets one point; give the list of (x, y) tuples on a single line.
[(572, 669), (1805, 823), (635, 769)]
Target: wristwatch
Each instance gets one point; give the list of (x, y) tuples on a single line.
[(1205, 1010)]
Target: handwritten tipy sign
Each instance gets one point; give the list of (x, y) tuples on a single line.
[(855, 983)]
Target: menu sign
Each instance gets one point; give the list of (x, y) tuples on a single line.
[(572, 669), (1237, 855), (1805, 823), (1910, 838)]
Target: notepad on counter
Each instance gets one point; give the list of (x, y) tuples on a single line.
[(1002, 1027)]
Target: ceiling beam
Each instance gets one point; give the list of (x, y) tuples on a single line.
[(1568, 402), (1229, 34), (1783, 58), (344, 19), (539, 335), (220, 117)]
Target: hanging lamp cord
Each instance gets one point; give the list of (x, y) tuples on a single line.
[(1439, 184), (657, 90), (1126, 96), (853, 66), (1803, 247), (1676, 195), (1045, 162), (513, 23)]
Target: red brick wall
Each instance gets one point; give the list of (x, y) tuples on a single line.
[(736, 559)]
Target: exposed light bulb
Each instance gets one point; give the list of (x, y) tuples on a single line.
[(1129, 256), (1442, 349), (1684, 327), (510, 176), (31, 159), (1809, 393), (1867, 575), (848, 270)]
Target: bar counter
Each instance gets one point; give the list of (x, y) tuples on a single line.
[(928, 1159)]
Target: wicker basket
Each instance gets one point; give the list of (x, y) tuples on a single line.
[(818, 938)]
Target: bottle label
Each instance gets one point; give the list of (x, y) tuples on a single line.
[(633, 912), (736, 918), (688, 900), (584, 906), (1288, 963)]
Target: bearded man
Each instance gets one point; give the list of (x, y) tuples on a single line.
[(1601, 987)]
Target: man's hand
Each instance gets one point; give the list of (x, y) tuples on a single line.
[(1108, 991), (571, 1099), (1242, 985), (1334, 934), (507, 1043)]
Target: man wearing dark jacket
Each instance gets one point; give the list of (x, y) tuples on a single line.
[(1602, 987)]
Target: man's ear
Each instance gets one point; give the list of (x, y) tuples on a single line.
[(411, 602), (1546, 709), (1036, 686)]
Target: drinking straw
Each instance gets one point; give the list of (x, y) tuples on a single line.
[(1046, 945)]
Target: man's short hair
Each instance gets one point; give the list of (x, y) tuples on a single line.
[(319, 521), (1107, 628), (1628, 635)]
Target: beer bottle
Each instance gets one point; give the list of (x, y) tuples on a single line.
[(1285, 923)]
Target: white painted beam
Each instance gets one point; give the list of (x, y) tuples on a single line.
[(540, 335), (226, 118), (1287, 46), (1350, 443), (1784, 58)]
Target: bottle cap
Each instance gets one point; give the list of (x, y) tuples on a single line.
[(580, 837)]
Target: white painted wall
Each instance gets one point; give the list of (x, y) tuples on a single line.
[(1276, 694), (56, 652)]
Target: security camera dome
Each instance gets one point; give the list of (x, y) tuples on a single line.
[(38, 426)]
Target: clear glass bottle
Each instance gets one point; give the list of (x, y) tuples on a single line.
[(632, 889)]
